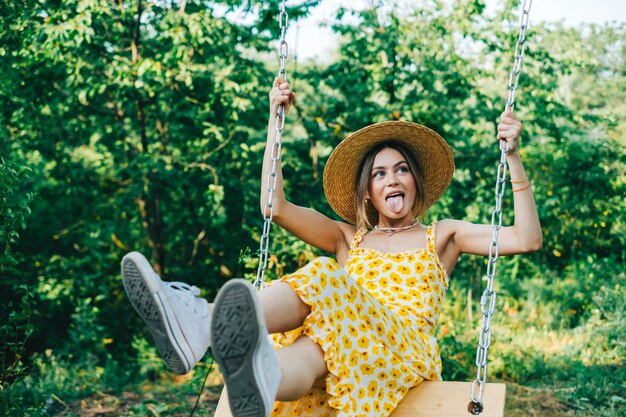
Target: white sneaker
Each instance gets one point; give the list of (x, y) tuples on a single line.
[(243, 351), (179, 320)]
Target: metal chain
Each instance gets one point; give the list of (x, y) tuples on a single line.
[(283, 52), (520, 47), (488, 299)]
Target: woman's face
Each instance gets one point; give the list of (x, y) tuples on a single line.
[(391, 186)]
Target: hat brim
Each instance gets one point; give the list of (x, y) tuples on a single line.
[(431, 152)]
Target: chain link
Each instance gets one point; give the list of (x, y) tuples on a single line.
[(283, 52), (488, 299), (520, 47)]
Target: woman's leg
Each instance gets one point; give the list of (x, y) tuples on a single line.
[(282, 308), (255, 373), (301, 364), (177, 317)]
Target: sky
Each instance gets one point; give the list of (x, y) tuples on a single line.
[(310, 40)]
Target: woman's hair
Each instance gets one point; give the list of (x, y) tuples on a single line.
[(364, 209)]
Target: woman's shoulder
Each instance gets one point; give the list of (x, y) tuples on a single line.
[(452, 229), (446, 224), (446, 228), (449, 224)]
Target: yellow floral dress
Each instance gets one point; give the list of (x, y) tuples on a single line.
[(374, 323)]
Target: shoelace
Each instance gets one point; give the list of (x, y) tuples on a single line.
[(185, 293)]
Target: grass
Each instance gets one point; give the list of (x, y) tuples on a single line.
[(168, 395)]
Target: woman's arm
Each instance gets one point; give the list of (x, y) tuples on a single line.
[(525, 233), (308, 225)]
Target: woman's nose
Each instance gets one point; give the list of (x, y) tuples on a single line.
[(392, 180)]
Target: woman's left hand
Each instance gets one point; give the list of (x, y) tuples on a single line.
[(509, 130)]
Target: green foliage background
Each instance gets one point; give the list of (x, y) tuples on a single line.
[(140, 125)]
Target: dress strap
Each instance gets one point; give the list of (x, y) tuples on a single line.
[(358, 236), (430, 236)]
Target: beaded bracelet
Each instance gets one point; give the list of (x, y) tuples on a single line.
[(520, 181)]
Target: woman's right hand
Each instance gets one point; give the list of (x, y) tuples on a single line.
[(280, 94)]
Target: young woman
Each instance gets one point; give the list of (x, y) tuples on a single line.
[(351, 334)]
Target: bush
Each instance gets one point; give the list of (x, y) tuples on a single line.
[(15, 297)]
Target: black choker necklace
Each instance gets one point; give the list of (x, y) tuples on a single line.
[(393, 230)]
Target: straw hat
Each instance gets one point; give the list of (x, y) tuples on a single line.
[(432, 153)]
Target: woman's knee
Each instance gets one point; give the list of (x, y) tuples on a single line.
[(282, 307), (309, 354), (315, 355)]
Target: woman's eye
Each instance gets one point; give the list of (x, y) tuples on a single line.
[(378, 174), (403, 170)]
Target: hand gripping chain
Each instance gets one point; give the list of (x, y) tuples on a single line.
[(488, 299), (283, 51)]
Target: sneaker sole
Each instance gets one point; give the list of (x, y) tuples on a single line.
[(142, 287), (236, 338)]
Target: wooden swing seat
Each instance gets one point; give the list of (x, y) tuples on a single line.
[(430, 399)]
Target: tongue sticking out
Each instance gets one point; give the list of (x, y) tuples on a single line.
[(395, 203)]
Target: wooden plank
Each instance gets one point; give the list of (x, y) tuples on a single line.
[(223, 408), (449, 399), (430, 399)]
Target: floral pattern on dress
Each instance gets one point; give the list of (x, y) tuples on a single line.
[(375, 322)]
